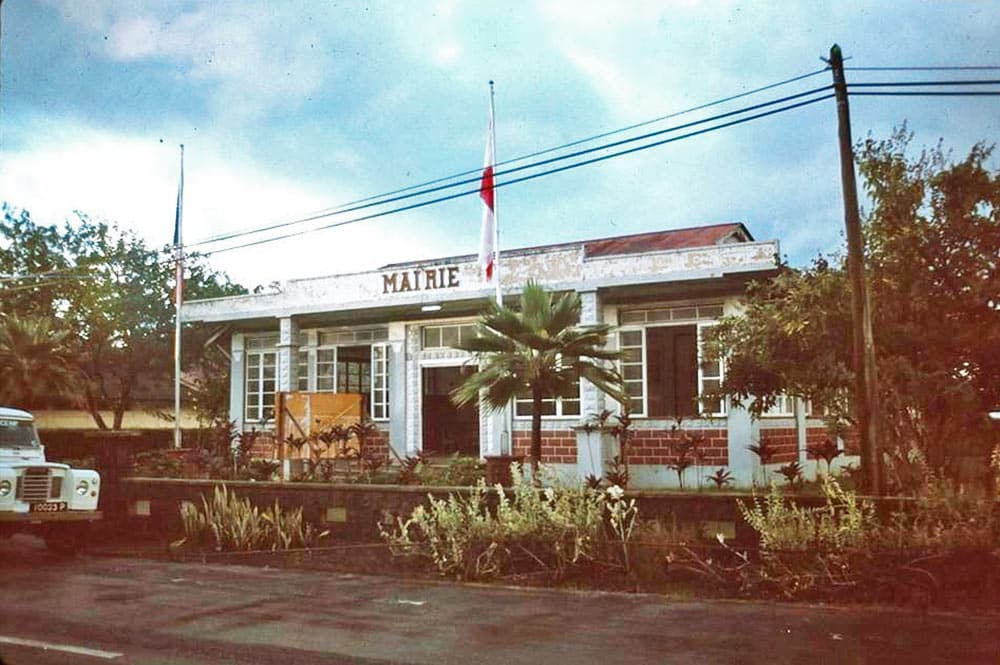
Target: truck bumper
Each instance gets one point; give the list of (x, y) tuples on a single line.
[(45, 518)]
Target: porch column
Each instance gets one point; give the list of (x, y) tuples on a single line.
[(742, 431), (288, 355), (397, 390), (801, 434), (591, 399), (237, 394)]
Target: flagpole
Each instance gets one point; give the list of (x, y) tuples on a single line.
[(506, 445), (496, 215), (178, 299)]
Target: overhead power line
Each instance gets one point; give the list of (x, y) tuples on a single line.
[(904, 84), (382, 198), (524, 167), (867, 88), (525, 178), (957, 68), (928, 93), (434, 186)]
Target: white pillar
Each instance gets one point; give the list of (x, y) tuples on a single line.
[(801, 434), (591, 399), (288, 354), (237, 389), (397, 389), (741, 431)]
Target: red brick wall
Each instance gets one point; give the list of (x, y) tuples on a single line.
[(558, 446), (655, 446), (265, 446), (852, 441), (378, 445), (785, 441), (645, 446)]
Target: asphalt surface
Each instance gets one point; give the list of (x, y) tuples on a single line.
[(112, 610)]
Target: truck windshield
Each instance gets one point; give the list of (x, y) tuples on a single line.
[(17, 434)]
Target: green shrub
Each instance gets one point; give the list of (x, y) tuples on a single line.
[(158, 464), (944, 541), (229, 523), (785, 526), (550, 530), (455, 471)]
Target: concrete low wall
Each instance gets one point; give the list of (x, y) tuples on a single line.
[(352, 512)]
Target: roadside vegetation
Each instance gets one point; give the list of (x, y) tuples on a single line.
[(228, 523), (939, 548)]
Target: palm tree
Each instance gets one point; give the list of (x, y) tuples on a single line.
[(539, 350), (34, 366)]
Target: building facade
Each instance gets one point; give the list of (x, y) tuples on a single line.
[(390, 334)]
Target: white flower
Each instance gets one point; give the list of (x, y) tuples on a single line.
[(615, 492), (550, 494)]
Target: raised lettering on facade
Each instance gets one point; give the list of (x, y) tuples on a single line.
[(424, 279)]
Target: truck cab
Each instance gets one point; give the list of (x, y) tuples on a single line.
[(48, 499)]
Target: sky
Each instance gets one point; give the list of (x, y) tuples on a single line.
[(286, 109)]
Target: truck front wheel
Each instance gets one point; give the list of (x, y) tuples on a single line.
[(68, 539)]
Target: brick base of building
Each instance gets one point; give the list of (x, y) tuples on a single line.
[(785, 442), (646, 446), (265, 446)]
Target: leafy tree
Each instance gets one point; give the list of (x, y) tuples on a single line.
[(111, 291), (933, 246), (35, 367), (538, 350)]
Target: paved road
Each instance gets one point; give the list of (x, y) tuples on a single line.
[(148, 612)]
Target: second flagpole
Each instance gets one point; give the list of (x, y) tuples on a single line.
[(496, 214)]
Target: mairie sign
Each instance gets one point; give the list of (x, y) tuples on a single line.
[(424, 279)]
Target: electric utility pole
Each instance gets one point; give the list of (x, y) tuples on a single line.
[(865, 376)]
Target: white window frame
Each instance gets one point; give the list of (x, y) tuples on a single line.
[(558, 404), (255, 414), (440, 328), (380, 369), (784, 407), (702, 377), (642, 367), (303, 377), (379, 356)]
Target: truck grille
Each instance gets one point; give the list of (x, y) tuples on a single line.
[(34, 485)]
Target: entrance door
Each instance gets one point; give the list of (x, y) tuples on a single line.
[(672, 377), (447, 429)]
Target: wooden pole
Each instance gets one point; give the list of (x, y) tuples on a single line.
[(865, 374)]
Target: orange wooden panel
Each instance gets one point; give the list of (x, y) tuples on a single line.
[(306, 414)]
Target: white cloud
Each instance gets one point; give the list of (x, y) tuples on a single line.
[(257, 59), (132, 180)]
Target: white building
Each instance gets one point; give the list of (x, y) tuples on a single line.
[(389, 334)]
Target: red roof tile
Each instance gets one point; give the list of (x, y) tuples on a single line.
[(700, 236)]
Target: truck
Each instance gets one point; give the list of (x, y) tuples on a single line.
[(46, 499)]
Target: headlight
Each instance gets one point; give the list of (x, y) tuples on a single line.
[(5, 487), (82, 487)]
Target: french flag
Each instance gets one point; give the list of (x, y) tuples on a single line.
[(487, 231)]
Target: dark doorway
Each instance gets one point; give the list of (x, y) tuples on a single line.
[(447, 429), (672, 356)]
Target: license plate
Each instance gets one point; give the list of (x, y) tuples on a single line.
[(49, 507)]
